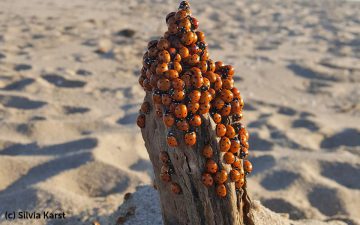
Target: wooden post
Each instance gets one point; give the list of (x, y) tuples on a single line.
[(196, 204)]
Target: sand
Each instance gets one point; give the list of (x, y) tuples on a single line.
[(69, 97)]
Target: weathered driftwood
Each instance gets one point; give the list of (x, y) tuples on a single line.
[(197, 204)]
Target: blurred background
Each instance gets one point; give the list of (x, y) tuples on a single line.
[(69, 97)]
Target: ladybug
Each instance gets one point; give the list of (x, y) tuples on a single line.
[(225, 144), (188, 38), (245, 144), (154, 78), (193, 107), (235, 107), (206, 87), (218, 65), (168, 119), (184, 5), (141, 80), (207, 179), (161, 68), (200, 35), (229, 158), (235, 175), (203, 66), (195, 121), (221, 190), (217, 118), (175, 188), (217, 83), (181, 14), (236, 93), (163, 84), (171, 140), (193, 59), (164, 56), (171, 74), (244, 132), (230, 132), (211, 166), (205, 98), (172, 52), (237, 117), (228, 84), (194, 49), (204, 55), (166, 99), (235, 145), (211, 65), (152, 43), (145, 107), (248, 166), (158, 110), (207, 151), (229, 70), (221, 177), (182, 125), (177, 66), (194, 96), (226, 95), (226, 110), (190, 138), (187, 80), (164, 157), (184, 52), (141, 121), (240, 183), (181, 111), (237, 164), (163, 44), (184, 25), (211, 76), (220, 130), (204, 108), (165, 177), (153, 52), (177, 84), (170, 16), (177, 95), (157, 97), (147, 85), (177, 58)]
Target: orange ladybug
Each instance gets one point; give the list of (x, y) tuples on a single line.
[(225, 144), (164, 157), (195, 121), (200, 35), (181, 111), (204, 108), (194, 23), (175, 188), (163, 84), (235, 145), (220, 130), (207, 151), (218, 103), (228, 84), (168, 119), (211, 166), (207, 179), (248, 166), (226, 110), (161, 68), (195, 96), (205, 97), (244, 153), (221, 177), (181, 14), (171, 140), (230, 132), (235, 175), (184, 25), (206, 86), (145, 107), (177, 84), (184, 52), (217, 83), (226, 95), (197, 81), (164, 56), (188, 38), (229, 158), (235, 107), (190, 138), (236, 93), (163, 44), (165, 177), (177, 95), (182, 125), (221, 190), (217, 118), (193, 107), (141, 121), (240, 183), (171, 74), (237, 164)]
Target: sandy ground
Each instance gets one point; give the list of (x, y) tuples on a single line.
[(69, 97)]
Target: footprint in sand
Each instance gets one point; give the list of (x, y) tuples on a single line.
[(349, 137), (283, 180), (343, 173), (22, 67), (18, 85), (281, 206), (20, 102), (61, 82), (74, 110), (262, 163), (305, 123)]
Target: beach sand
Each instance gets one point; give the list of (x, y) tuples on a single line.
[(69, 97)]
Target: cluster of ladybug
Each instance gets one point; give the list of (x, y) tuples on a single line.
[(185, 84)]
